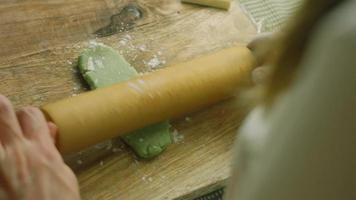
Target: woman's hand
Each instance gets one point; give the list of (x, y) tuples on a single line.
[(30, 165), (261, 47)]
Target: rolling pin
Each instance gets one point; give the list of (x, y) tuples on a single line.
[(98, 115)]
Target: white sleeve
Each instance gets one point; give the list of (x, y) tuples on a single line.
[(310, 152)]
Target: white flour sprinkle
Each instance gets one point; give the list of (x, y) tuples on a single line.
[(123, 42), (127, 36), (177, 138), (94, 43), (154, 62), (99, 63), (90, 64), (142, 47), (143, 178)]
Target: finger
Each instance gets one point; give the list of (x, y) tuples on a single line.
[(53, 129), (261, 74), (36, 129), (259, 40), (261, 47), (33, 124), (9, 125)]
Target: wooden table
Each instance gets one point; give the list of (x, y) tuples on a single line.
[(39, 45)]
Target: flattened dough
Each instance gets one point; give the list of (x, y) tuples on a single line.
[(102, 66)]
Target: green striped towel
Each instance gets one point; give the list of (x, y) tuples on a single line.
[(216, 195), (269, 15)]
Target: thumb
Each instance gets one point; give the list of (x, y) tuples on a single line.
[(261, 74)]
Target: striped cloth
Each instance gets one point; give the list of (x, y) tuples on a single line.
[(269, 15), (216, 195)]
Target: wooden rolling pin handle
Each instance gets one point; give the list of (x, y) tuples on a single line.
[(105, 113)]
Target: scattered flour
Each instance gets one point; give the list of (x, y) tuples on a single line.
[(177, 138), (90, 65), (94, 43), (142, 47), (123, 42), (147, 178), (154, 62), (188, 119), (99, 63), (144, 178), (131, 51)]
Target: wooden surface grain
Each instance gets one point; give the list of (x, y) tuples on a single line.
[(39, 45)]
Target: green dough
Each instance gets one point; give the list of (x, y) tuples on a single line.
[(150, 141), (102, 66)]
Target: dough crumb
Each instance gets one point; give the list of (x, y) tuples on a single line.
[(177, 138)]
